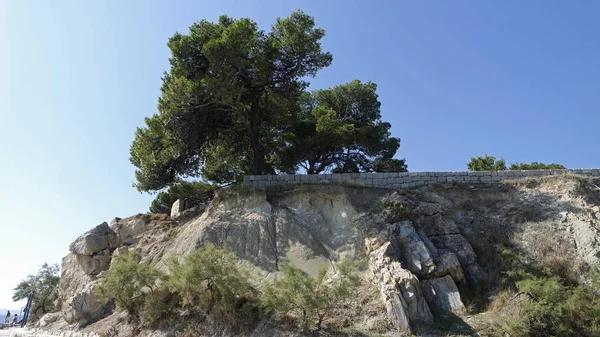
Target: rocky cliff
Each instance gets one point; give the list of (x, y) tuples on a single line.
[(424, 247)]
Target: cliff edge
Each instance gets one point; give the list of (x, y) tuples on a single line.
[(425, 249)]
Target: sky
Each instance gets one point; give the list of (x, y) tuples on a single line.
[(456, 79)]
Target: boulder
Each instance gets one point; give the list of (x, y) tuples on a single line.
[(48, 319), (85, 307), (94, 241), (177, 207), (443, 294), (129, 229)]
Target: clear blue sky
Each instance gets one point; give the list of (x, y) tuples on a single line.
[(456, 79)]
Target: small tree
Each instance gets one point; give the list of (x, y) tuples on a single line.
[(486, 163), (210, 281), (536, 166), (131, 284), (45, 284), (309, 297)]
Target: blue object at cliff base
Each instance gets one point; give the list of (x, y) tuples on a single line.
[(27, 307)]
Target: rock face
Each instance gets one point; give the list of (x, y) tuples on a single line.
[(416, 265), (90, 255), (443, 293), (95, 241)]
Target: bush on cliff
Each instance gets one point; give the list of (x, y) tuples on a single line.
[(539, 301), (311, 298), (136, 288), (210, 282)]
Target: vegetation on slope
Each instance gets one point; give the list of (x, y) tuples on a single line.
[(210, 282)]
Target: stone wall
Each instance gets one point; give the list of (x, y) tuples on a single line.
[(406, 179)]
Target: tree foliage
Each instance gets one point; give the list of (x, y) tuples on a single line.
[(194, 192), (490, 163), (45, 284), (341, 128), (536, 166), (486, 163), (228, 81), (311, 298)]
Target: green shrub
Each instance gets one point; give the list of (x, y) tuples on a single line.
[(210, 281), (536, 166), (134, 287), (310, 298), (393, 211), (554, 308)]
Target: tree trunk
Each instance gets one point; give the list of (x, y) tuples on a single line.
[(258, 149)]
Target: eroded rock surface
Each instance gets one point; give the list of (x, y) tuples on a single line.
[(417, 266)]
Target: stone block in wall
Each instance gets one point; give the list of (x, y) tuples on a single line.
[(390, 180), (336, 176), (595, 172), (451, 179), (441, 179), (304, 177), (586, 171), (486, 179), (381, 181), (354, 175)]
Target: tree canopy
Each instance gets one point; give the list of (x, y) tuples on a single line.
[(490, 163), (228, 80), (235, 102), (45, 284), (536, 166), (486, 163), (342, 128)]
